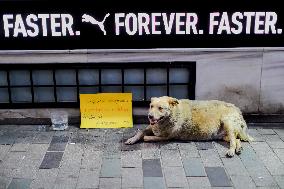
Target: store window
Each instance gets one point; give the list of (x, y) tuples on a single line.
[(59, 85)]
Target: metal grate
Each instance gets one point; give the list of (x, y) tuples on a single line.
[(23, 85)]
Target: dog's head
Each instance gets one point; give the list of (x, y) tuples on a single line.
[(161, 108)]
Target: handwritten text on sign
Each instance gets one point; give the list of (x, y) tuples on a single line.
[(106, 110)]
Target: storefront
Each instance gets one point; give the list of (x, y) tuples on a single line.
[(50, 52)]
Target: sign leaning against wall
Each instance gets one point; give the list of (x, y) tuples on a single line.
[(144, 24)]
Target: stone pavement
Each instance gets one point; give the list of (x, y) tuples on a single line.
[(34, 157)]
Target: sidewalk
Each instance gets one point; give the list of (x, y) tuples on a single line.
[(34, 157)]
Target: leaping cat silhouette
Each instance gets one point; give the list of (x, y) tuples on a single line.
[(88, 18)]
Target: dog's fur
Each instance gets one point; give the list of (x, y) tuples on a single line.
[(183, 119)]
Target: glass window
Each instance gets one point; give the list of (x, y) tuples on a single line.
[(88, 77), (137, 92), (20, 77), (134, 76), (179, 75), (156, 91), (89, 90), (42, 77), (66, 94), (179, 91), (65, 77), (156, 75), (44, 94), (22, 94), (3, 78), (4, 96), (111, 76)]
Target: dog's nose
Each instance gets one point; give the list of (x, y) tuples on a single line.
[(150, 116)]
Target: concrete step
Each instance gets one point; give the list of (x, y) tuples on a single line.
[(42, 116)]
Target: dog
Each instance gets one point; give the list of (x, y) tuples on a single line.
[(194, 120)]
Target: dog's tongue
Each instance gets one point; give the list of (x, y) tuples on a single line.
[(152, 122)]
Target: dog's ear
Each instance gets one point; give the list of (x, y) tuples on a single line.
[(172, 101), (153, 98)]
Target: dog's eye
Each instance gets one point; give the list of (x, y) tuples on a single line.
[(151, 106), (160, 108)]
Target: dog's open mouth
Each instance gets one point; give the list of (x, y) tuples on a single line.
[(154, 121)]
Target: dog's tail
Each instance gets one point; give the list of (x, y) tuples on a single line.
[(244, 133)]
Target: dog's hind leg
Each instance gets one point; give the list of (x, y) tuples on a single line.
[(230, 137), (238, 146)]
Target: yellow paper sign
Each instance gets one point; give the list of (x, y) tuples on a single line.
[(106, 110)]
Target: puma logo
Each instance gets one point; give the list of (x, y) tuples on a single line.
[(88, 18)]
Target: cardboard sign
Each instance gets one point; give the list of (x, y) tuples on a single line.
[(106, 110)]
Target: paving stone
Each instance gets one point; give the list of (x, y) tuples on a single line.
[(43, 138), (234, 166), (264, 181), (65, 183), (204, 145), (113, 147), (58, 143), (198, 182), (280, 133), (210, 158), (256, 135), (151, 153), (4, 149), (131, 159), (13, 160), (280, 154), (193, 167), (45, 178), (136, 146), (150, 145), (171, 158), (92, 159), (37, 151), (256, 169), (266, 131), (21, 183), (6, 140), (175, 177), (65, 173), (169, 146), (111, 155), (88, 179), (110, 183), (279, 180), (111, 168), (274, 141), (152, 168), (18, 147), (222, 147), (218, 177), (4, 182), (154, 183), (72, 157), (241, 181), (269, 158), (188, 150), (128, 175), (51, 160), (25, 171)]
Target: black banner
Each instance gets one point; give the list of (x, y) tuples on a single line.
[(144, 24)]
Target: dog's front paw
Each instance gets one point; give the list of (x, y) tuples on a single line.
[(239, 150), (230, 153), (131, 140)]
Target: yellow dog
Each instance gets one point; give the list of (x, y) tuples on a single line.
[(184, 119)]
